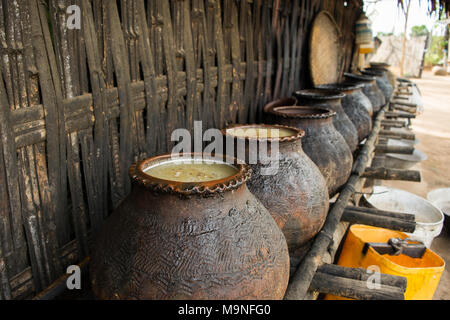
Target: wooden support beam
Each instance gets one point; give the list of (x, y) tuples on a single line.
[(383, 148), (354, 289), (392, 174), (399, 135), (390, 214), (362, 275), (378, 221)]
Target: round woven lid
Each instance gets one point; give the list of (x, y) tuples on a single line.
[(325, 55)]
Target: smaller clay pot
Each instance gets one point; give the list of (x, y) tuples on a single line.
[(356, 106), (331, 99), (382, 81), (323, 144), (385, 66), (295, 192), (370, 89)]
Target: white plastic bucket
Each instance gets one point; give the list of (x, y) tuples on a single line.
[(429, 218)]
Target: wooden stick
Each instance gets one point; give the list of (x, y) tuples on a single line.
[(402, 98), (398, 135), (378, 221), (404, 108), (392, 174), (394, 123), (354, 289), (362, 275), (394, 149), (59, 285), (391, 114), (390, 214), (302, 278), (405, 104)]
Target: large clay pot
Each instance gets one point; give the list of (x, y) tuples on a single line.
[(294, 192), (382, 81), (356, 105), (323, 144), (370, 89), (190, 240), (331, 99)]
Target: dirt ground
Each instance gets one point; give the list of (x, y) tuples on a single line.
[(432, 128)]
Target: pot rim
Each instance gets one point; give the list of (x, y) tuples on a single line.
[(319, 94), (315, 112), (375, 73), (360, 77), (343, 86), (233, 182), (299, 133), (380, 65)]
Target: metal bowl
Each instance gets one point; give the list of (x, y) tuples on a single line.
[(441, 199), (429, 218), (403, 161)]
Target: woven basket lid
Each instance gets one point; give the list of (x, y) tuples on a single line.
[(325, 50)]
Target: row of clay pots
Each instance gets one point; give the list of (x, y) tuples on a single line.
[(220, 239)]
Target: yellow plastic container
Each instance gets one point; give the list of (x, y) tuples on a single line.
[(423, 274)]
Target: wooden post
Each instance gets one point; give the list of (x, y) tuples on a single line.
[(394, 149), (399, 135), (354, 289), (362, 275), (392, 174), (378, 221), (390, 214)]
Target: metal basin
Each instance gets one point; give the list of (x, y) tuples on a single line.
[(429, 218), (403, 161), (441, 199)]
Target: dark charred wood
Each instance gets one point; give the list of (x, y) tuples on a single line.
[(392, 174), (354, 289), (362, 275), (378, 221), (390, 214)]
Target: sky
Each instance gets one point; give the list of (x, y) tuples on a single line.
[(387, 17)]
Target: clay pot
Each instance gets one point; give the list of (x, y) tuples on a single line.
[(382, 81), (190, 240), (323, 144), (331, 99), (389, 74), (370, 89), (295, 192), (356, 106)]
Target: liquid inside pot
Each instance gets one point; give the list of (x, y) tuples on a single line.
[(191, 171), (261, 132)]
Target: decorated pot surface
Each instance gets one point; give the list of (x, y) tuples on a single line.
[(295, 193)]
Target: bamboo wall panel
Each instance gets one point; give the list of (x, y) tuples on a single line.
[(78, 107)]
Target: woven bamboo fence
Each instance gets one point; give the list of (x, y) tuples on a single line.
[(78, 106)]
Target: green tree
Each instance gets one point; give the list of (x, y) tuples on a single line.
[(418, 31)]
